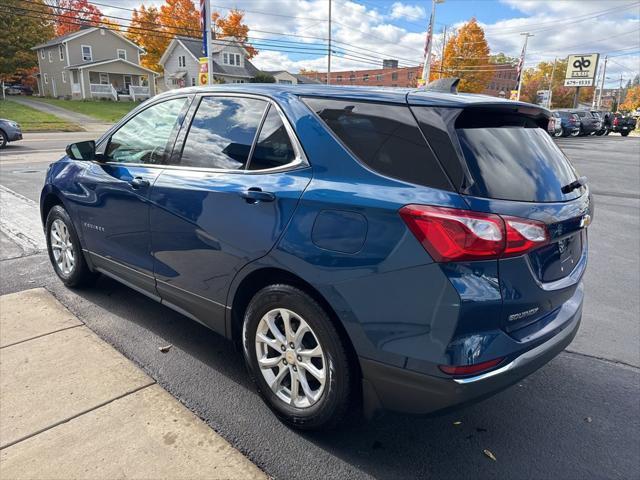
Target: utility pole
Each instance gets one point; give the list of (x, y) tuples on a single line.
[(620, 92), (207, 40), (444, 44), (553, 71), (426, 68), (595, 90), (604, 74), (329, 48), (522, 60)]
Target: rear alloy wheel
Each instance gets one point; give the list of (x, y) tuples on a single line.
[(297, 358)]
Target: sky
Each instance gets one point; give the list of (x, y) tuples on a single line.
[(291, 34)]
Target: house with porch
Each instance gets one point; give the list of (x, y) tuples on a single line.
[(181, 62), (93, 62)]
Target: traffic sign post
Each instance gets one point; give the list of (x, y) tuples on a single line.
[(581, 72)]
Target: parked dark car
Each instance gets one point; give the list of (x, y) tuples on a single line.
[(570, 123), (598, 115), (359, 244), (589, 124), (623, 124), (10, 131)]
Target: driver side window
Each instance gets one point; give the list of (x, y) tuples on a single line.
[(144, 138)]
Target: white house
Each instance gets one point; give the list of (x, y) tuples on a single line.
[(284, 77), (181, 62)]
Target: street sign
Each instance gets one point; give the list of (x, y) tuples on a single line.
[(581, 70), (203, 74), (542, 97)]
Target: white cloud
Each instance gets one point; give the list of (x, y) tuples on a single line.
[(401, 10)]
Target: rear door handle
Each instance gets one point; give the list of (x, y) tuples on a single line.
[(255, 195), (139, 182)]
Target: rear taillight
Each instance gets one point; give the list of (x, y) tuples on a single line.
[(462, 370), (452, 235)]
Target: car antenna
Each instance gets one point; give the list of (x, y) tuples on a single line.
[(445, 85)]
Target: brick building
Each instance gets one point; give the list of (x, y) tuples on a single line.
[(390, 75), (503, 81)]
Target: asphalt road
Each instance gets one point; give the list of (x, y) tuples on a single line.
[(578, 417)]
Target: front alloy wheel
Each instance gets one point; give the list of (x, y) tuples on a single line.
[(62, 247), (290, 357)]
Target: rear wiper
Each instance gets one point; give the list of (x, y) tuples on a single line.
[(580, 182)]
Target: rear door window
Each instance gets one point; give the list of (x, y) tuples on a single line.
[(222, 132), (273, 148), (519, 163), (384, 137)]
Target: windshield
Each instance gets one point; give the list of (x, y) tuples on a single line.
[(515, 163)]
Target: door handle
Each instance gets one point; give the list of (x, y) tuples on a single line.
[(255, 195), (139, 182)]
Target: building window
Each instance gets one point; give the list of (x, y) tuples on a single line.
[(339, 78), (237, 81), (122, 53), (64, 77), (285, 82), (104, 78), (45, 78), (410, 75), (87, 55), (365, 77), (352, 78), (42, 53), (394, 76), (378, 78), (182, 61), (50, 56), (231, 59), (61, 52)]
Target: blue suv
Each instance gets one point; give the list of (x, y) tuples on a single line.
[(367, 248)]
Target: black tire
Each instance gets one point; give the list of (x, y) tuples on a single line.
[(3, 139), (334, 402), (565, 132), (80, 275), (624, 134)]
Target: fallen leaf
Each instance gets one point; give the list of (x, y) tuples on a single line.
[(588, 419), (489, 454), (166, 348), (458, 422)]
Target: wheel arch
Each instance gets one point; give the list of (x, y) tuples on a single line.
[(265, 276), (49, 200)]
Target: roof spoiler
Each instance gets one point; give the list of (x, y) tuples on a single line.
[(445, 85)]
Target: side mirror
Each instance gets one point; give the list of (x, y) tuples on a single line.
[(82, 150)]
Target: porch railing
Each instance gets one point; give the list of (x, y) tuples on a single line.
[(136, 91), (98, 89)]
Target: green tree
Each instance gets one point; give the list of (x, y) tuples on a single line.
[(263, 77), (19, 34)]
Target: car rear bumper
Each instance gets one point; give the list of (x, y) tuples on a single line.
[(402, 390)]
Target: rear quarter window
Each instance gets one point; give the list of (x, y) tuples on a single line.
[(384, 137)]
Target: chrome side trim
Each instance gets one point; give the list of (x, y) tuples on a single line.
[(526, 357)]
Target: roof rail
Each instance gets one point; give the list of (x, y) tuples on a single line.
[(445, 85)]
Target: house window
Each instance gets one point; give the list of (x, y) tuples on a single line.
[(365, 77), (378, 78), (394, 76), (74, 76), (193, 81), (339, 78), (87, 55), (285, 82), (231, 59), (127, 82), (182, 61), (122, 53), (50, 56), (61, 52), (237, 81), (45, 78), (104, 78), (42, 53), (352, 78), (64, 77)]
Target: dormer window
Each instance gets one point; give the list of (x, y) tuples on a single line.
[(87, 55), (182, 61), (231, 59), (122, 53)]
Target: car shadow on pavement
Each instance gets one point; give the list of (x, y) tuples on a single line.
[(545, 426)]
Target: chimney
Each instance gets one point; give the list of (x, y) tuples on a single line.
[(390, 64)]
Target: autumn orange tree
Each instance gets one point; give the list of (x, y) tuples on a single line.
[(232, 26), (143, 20), (539, 78), (632, 100), (72, 14), (466, 55), (180, 17)]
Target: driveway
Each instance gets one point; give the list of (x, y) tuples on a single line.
[(85, 121)]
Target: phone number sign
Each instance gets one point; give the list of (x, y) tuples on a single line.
[(581, 70)]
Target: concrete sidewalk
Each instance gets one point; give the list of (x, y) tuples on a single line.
[(72, 407)]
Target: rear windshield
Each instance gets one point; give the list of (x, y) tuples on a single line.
[(516, 163)]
